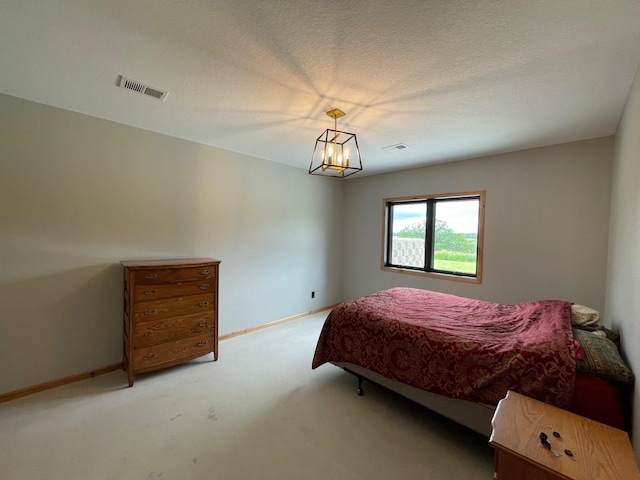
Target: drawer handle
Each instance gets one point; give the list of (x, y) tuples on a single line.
[(149, 292), (202, 343), (204, 286), (149, 356), (153, 311), (205, 272), (203, 323), (203, 304), (150, 333), (149, 276)]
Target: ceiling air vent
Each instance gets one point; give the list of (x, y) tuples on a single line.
[(396, 147), (138, 87)]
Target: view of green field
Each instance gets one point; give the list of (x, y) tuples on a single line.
[(453, 266)]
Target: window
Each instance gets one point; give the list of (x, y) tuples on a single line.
[(435, 235)]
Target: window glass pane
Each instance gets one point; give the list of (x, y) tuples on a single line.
[(455, 243), (408, 228)]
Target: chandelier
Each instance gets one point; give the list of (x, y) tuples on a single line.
[(336, 153)]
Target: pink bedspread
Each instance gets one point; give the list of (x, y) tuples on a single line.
[(455, 346)]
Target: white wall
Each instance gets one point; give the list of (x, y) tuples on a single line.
[(623, 282), (546, 223), (80, 194)]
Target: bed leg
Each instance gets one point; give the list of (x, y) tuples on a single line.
[(359, 390)]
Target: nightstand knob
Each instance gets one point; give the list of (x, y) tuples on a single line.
[(149, 292), (204, 286), (150, 333), (202, 343), (149, 276), (203, 323), (149, 356), (205, 272), (203, 304), (153, 311)]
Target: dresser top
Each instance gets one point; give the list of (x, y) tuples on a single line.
[(179, 262)]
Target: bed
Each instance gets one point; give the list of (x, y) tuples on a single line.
[(459, 356)]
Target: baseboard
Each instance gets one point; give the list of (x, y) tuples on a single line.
[(5, 397), (274, 323)]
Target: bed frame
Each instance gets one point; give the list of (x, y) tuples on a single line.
[(475, 416)]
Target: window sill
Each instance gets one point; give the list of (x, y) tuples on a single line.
[(442, 276)]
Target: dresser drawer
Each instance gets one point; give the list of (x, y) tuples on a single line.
[(172, 353), (172, 307), (145, 293), (151, 333), (173, 275)]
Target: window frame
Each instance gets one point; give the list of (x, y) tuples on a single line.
[(430, 201)]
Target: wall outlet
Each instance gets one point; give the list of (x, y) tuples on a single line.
[(313, 294)]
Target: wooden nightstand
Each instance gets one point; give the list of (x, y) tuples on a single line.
[(599, 452)]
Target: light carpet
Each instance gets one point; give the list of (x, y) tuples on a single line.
[(259, 412)]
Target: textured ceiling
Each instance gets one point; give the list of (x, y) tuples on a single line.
[(450, 79)]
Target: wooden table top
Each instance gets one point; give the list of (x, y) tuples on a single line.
[(600, 451)]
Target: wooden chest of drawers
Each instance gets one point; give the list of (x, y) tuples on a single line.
[(170, 313)]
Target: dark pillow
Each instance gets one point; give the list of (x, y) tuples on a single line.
[(613, 336), (601, 357)]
